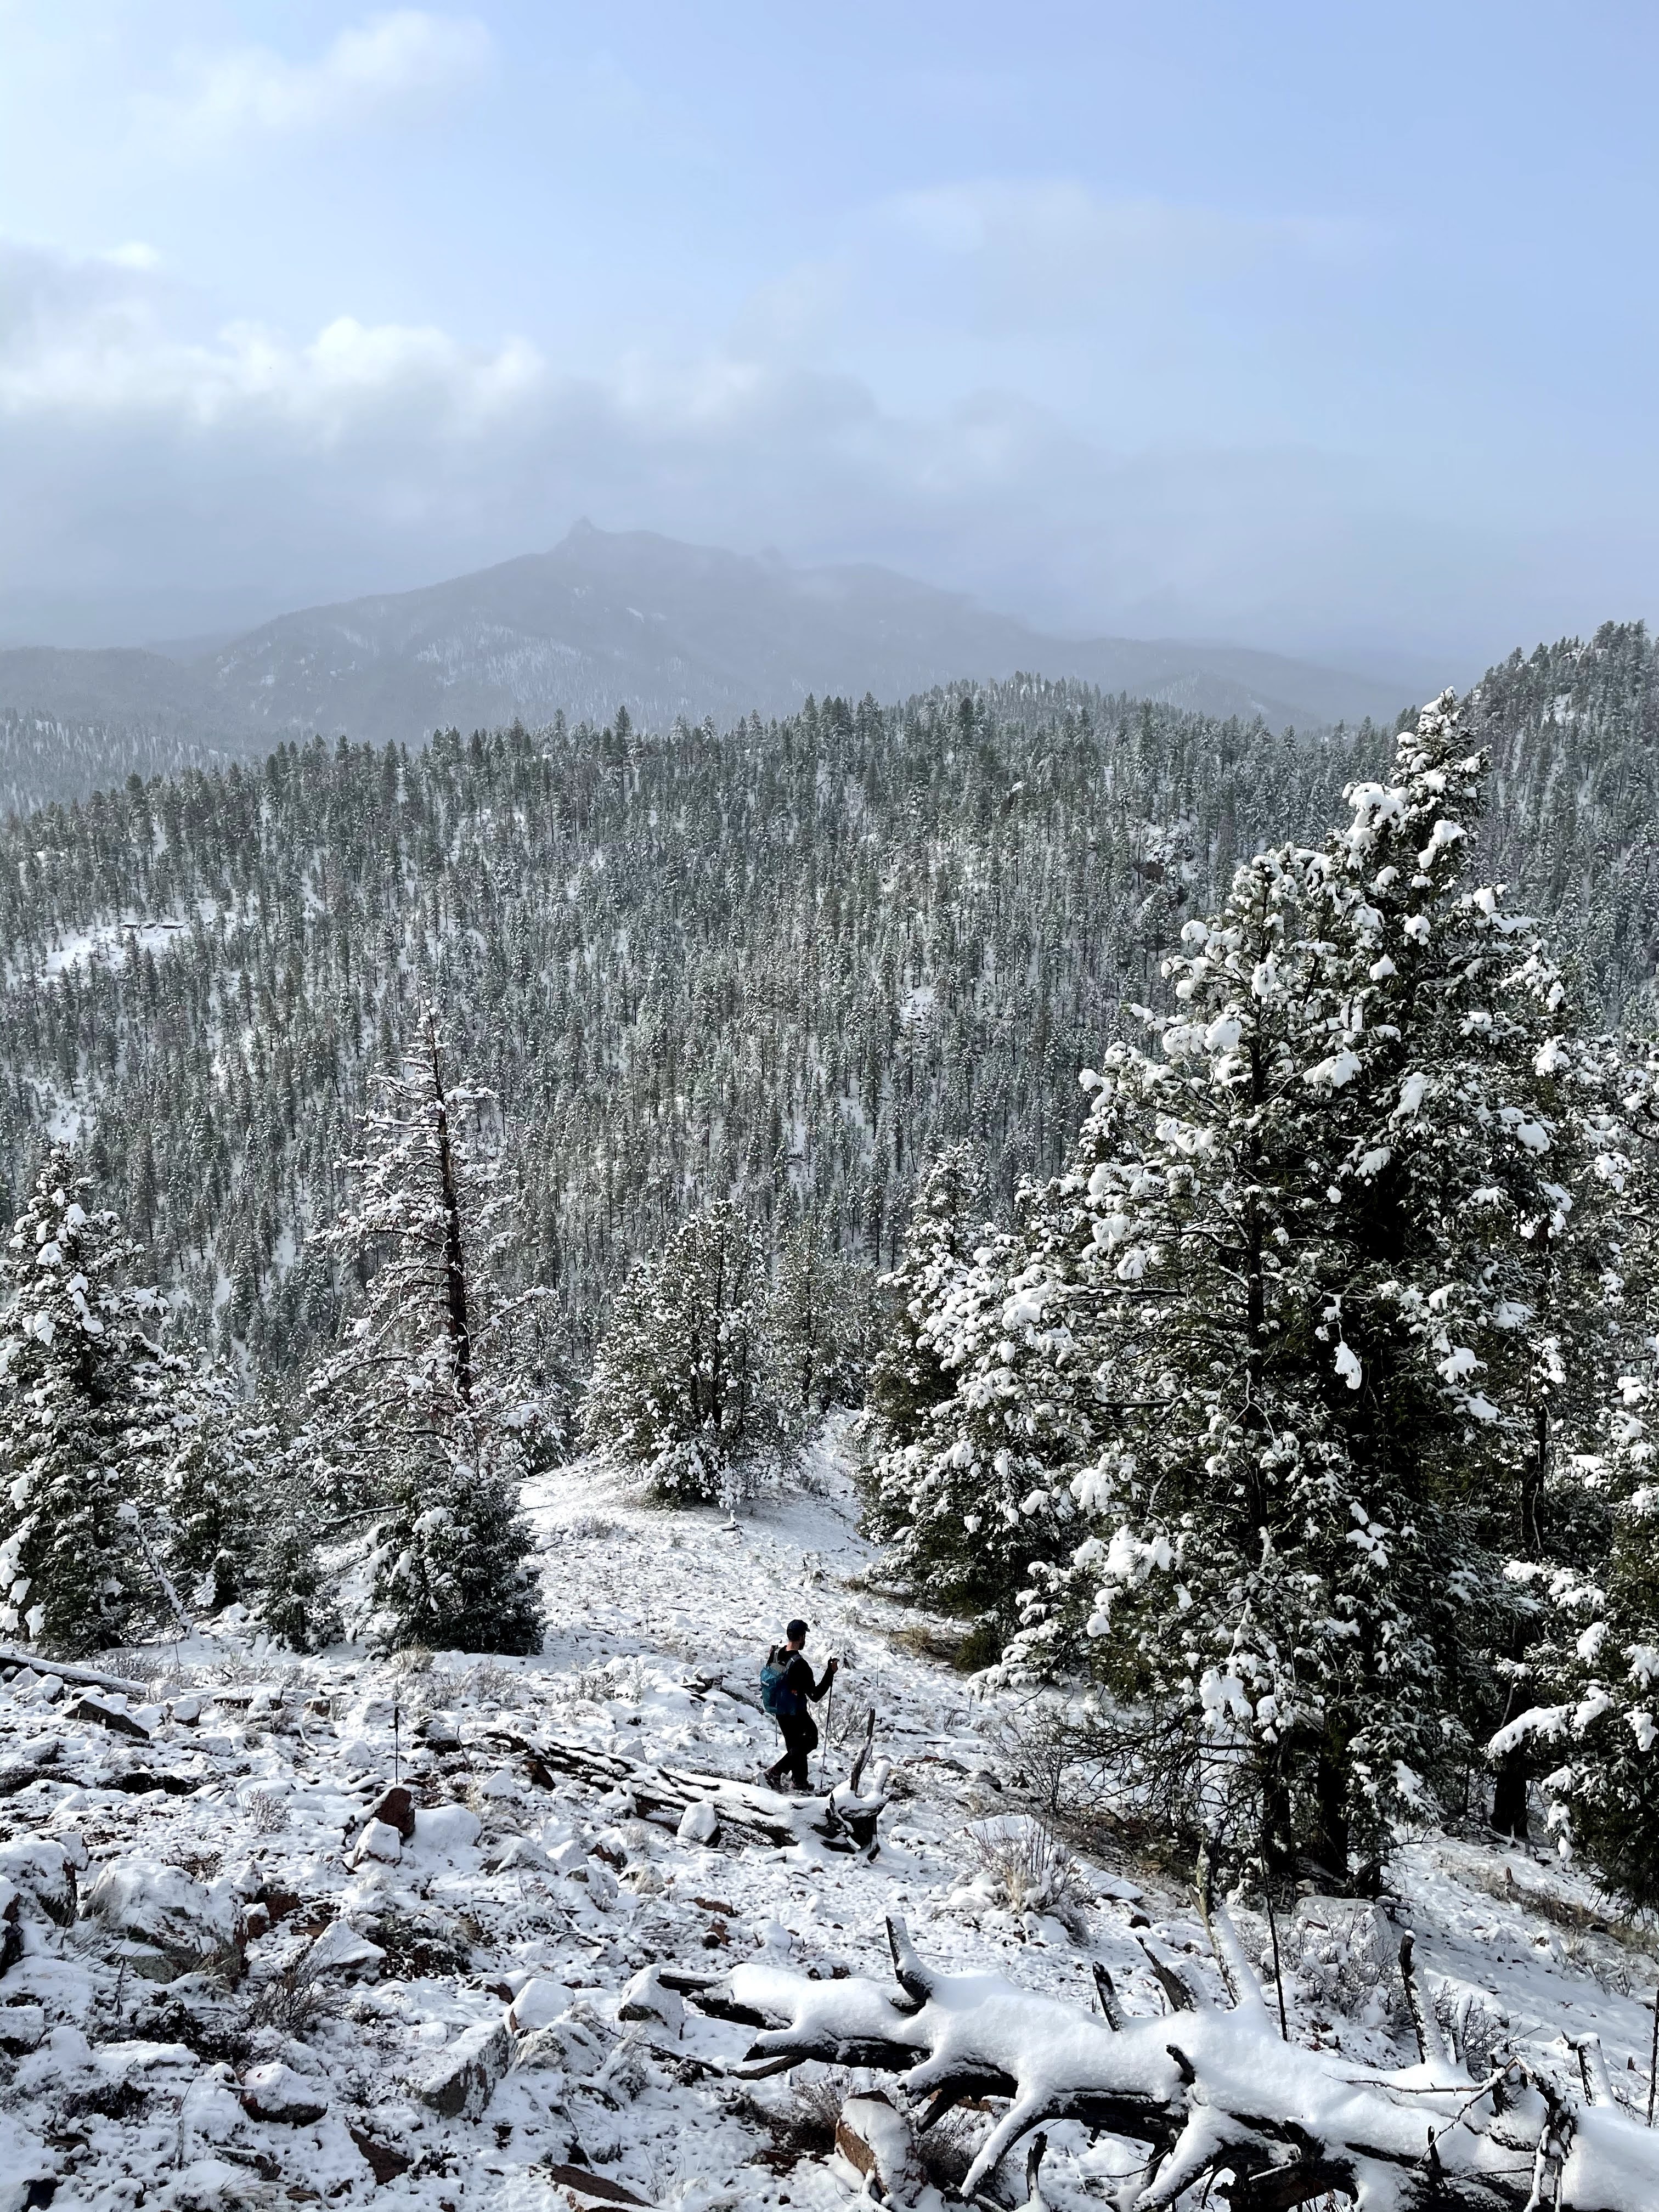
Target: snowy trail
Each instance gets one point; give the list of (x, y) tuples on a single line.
[(129, 2038)]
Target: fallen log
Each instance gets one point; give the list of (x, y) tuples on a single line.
[(88, 1675), (1213, 2095), (844, 1821)]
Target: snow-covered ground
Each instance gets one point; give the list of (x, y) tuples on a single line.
[(240, 2004)]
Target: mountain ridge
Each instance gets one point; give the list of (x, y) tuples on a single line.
[(665, 629)]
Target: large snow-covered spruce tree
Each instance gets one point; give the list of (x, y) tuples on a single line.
[(1309, 1238), (680, 1393), (412, 1393), (86, 1392), (908, 1378), (992, 1411)]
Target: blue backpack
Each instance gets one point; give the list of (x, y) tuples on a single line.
[(779, 1699)]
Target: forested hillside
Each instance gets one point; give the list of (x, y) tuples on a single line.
[(605, 620), (782, 963), (49, 759)]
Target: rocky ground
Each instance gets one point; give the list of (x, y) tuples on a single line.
[(278, 1930)]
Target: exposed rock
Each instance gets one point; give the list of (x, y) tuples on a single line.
[(438, 1732), (396, 1807), (462, 2081), (278, 2092), (384, 2162), (877, 2139), (106, 1716), (583, 2190)]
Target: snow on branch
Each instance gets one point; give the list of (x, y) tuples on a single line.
[(1214, 2094)]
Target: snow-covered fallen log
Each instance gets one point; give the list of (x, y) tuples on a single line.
[(1215, 2095), (91, 1677), (845, 1821)]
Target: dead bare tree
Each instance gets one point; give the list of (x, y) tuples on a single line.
[(1208, 2092)]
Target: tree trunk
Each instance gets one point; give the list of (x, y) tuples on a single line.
[(456, 1316)]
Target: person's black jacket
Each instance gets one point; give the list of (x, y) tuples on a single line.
[(799, 1678)]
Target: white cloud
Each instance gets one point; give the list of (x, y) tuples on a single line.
[(140, 444), (1070, 229), (1026, 252), (393, 65)]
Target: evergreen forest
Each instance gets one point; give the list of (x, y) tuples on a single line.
[(1208, 1199)]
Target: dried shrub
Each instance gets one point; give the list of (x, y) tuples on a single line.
[(1024, 1866), (267, 1809), (295, 1997)]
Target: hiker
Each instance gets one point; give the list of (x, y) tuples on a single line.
[(786, 1690)]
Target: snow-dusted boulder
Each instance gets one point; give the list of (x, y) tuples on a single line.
[(22, 2027), (645, 1998), (538, 2004), (461, 2081), (525, 1853), (442, 1830), (278, 2092), (340, 1947), (378, 1840), (699, 1824), (161, 1910)]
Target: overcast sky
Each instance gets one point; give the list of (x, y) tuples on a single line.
[(1321, 327)]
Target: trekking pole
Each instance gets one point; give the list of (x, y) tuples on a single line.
[(828, 1722)]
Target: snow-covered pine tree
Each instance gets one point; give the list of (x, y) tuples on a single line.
[(821, 1320), (85, 1392), (908, 1378), (1595, 1667), (410, 1389), (680, 1394), (983, 1488), (1321, 1209), (212, 1488), (297, 1603)]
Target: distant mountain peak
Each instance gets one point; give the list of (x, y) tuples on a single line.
[(610, 618)]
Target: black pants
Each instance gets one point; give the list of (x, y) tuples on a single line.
[(800, 1741)]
